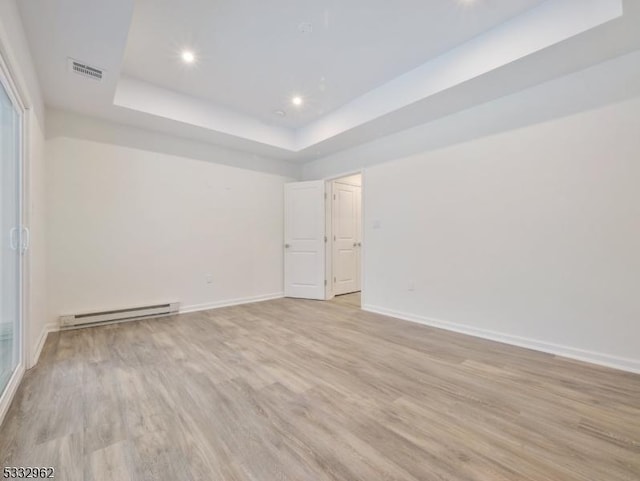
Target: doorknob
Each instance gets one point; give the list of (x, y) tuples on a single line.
[(359, 244), (355, 244), (286, 246)]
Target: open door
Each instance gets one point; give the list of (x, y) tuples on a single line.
[(346, 238), (304, 240)]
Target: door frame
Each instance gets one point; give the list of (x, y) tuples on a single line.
[(329, 294), (16, 89)]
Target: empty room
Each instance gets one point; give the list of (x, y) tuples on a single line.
[(248, 240)]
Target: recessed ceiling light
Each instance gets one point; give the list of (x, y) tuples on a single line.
[(188, 56), (297, 101)]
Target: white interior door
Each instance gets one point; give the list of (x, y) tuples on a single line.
[(359, 230), (304, 252), (346, 238)]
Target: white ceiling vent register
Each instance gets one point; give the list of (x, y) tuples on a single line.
[(88, 319), (85, 70)]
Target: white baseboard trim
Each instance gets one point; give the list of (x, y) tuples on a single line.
[(624, 364), (49, 327), (16, 378), (230, 302), (10, 392)]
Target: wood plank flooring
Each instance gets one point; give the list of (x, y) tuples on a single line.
[(348, 300), (306, 390)]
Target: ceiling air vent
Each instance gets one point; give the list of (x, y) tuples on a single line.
[(85, 70)]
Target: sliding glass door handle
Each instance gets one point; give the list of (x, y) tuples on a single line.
[(13, 238), (26, 240)]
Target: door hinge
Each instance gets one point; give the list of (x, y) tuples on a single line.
[(325, 196), (334, 196), (334, 280), (325, 239), (325, 282)]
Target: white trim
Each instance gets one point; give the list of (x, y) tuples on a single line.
[(602, 359), (230, 302), (33, 360), (363, 230), (348, 173), (328, 244), (48, 328), (52, 326), (10, 391)]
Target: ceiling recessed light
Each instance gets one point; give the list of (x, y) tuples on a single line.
[(188, 56), (297, 101)]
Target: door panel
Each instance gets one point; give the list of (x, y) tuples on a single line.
[(10, 278), (359, 234), (346, 250), (304, 255)]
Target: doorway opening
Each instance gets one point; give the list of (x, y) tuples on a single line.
[(344, 246), (323, 239)]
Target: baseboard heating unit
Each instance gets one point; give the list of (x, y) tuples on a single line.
[(88, 319)]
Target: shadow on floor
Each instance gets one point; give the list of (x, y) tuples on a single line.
[(351, 300)]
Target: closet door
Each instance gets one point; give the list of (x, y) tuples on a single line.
[(10, 237)]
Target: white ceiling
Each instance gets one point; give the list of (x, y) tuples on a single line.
[(252, 57), (368, 68)]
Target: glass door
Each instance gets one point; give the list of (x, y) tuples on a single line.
[(10, 238)]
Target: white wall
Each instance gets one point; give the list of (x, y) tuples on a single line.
[(609, 82), (15, 51), (529, 236), (37, 314), (67, 124), (128, 226), (515, 220)]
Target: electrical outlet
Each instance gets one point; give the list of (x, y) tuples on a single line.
[(208, 278)]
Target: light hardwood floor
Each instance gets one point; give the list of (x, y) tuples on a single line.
[(348, 300), (318, 391)]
